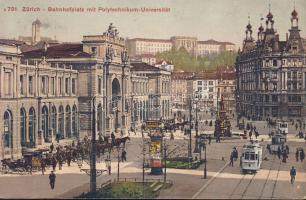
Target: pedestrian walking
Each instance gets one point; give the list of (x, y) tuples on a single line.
[(302, 155), (250, 135), (296, 126), (123, 155), (287, 149), (57, 137), (54, 163), (52, 177), (269, 148), (285, 156), (43, 166), (235, 154), (209, 139), (231, 160), (279, 152), (51, 147), (292, 174), (297, 154)]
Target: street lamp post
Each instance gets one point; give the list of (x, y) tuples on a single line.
[(189, 146), (165, 161), (93, 172), (205, 161)]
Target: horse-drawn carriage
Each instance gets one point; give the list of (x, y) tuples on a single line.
[(34, 158), (19, 166)]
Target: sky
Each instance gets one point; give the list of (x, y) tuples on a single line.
[(222, 20)]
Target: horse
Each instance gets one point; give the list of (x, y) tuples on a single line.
[(119, 141)]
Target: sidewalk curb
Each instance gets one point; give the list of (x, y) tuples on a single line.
[(209, 181)]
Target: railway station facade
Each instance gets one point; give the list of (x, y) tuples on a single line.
[(50, 91)]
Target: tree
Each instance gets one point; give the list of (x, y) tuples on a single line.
[(182, 60)]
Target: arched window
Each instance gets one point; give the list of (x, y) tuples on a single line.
[(8, 129), (147, 110), (99, 116), (68, 121), (23, 129), (143, 111), (45, 123), (32, 127), (74, 121), (140, 110), (54, 120), (61, 121)]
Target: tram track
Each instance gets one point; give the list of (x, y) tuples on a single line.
[(261, 192), (274, 185), (249, 183)]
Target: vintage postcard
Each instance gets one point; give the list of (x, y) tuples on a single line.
[(153, 99)]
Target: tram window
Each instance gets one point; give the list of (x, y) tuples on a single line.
[(256, 156), (247, 156), (273, 140), (252, 156)]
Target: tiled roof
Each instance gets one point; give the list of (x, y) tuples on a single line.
[(11, 42), (181, 75), (64, 50), (141, 66), (205, 76), (39, 45)]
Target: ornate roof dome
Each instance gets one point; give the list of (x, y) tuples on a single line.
[(249, 26), (294, 13), (269, 16)]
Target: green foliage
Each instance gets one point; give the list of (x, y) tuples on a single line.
[(123, 190), (178, 164), (182, 60)]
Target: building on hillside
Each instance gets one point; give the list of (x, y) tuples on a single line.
[(158, 91), (139, 46), (165, 65), (146, 58), (179, 93), (271, 74), (189, 43)]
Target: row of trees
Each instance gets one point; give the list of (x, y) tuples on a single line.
[(182, 60)]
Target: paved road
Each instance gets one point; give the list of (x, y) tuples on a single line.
[(271, 182)]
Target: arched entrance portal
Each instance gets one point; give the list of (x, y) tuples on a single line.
[(116, 97), (7, 134)]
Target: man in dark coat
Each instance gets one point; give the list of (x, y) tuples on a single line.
[(292, 174), (43, 166), (54, 163), (51, 148), (302, 155), (52, 177)]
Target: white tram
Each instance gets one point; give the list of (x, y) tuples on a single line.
[(282, 127), (251, 157), (278, 141)]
